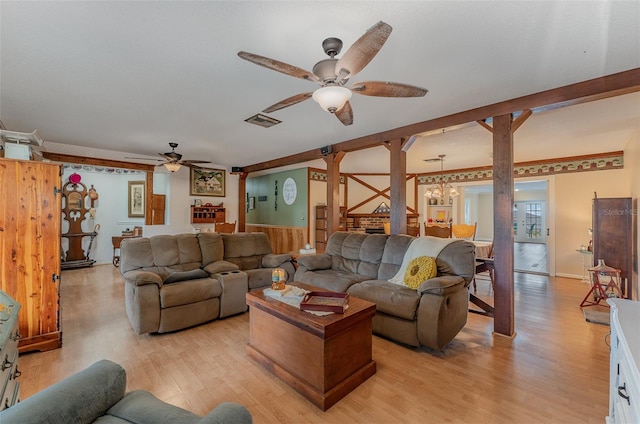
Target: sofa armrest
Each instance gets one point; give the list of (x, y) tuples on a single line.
[(274, 261), (227, 412), (220, 266), (441, 285), (140, 278), (314, 262), (85, 396)]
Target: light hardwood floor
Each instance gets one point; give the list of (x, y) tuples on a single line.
[(555, 371)]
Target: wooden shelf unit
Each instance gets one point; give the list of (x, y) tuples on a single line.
[(321, 225), (207, 214)]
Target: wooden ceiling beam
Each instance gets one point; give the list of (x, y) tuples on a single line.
[(107, 163), (595, 89)]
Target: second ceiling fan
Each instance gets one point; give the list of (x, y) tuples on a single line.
[(332, 74)]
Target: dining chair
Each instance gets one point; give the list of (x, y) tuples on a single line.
[(464, 231), (485, 265), (225, 227), (435, 230)]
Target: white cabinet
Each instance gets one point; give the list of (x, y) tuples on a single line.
[(624, 377)]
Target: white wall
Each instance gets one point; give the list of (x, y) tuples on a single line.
[(111, 207)]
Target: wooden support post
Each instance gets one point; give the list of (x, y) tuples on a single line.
[(333, 191), (242, 200), (398, 184), (503, 185)]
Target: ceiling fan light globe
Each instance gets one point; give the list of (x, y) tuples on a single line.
[(332, 98), (172, 167)]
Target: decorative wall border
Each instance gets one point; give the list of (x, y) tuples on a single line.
[(567, 165), (102, 169)]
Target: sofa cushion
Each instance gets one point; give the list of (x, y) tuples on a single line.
[(392, 299), (394, 251), (211, 246), (185, 276), (191, 291), (330, 279), (140, 406), (420, 269), (135, 253), (259, 278), (356, 253)]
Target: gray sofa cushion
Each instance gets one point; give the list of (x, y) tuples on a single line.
[(193, 274), (187, 292), (330, 279), (390, 298), (393, 255), (140, 406), (356, 253), (135, 253), (211, 246)]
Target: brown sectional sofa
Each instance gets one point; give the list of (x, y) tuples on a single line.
[(178, 281), (362, 266)]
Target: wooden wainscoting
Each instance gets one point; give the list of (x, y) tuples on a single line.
[(283, 239)]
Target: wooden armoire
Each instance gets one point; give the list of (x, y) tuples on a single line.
[(613, 222), (30, 210)]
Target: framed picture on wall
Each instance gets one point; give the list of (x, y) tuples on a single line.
[(207, 182), (136, 199)]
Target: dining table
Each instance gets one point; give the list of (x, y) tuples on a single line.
[(483, 248)]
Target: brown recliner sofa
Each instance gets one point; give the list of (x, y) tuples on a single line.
[(362, 266), (178, 281)]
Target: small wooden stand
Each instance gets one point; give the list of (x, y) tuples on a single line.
[(601, 275)]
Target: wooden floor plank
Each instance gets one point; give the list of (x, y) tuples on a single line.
[(554, 371)]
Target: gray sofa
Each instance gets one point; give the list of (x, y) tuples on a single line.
[(362, 266), (97, 394), (178, 281)]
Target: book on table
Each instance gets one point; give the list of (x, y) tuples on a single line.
[(325, 302)]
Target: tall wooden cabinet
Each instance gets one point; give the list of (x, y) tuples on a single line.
[(612, 226), (30, 228)]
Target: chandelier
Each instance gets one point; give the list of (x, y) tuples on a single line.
[(443, 188)]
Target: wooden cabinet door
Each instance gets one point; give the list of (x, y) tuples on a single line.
[(30, 247), (613, 224)]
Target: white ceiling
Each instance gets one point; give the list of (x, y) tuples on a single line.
[(132, 76)]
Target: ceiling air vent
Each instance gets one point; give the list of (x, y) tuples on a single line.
[(262, 120)]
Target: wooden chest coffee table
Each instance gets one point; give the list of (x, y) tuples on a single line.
[(322, 357)]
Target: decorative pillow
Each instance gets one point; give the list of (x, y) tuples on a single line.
[(420, 269), (194, 274)]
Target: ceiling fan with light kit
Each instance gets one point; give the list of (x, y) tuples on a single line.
[(332, 74), (173, 160)]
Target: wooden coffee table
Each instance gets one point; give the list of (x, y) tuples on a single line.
[(322, 357)]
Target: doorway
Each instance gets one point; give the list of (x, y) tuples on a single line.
[(531, 221)]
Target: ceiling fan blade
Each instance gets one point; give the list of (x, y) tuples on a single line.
[(193, 163), (362, 51), (276, 65), (186, 162), (387, 89), (345, 115), (130, 157), (288, 102)]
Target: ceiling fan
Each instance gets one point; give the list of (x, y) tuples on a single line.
[(332, 74), (173, 160)]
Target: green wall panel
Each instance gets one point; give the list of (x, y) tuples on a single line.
[(274, 210)]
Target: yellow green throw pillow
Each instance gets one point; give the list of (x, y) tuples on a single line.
[(420, 269)]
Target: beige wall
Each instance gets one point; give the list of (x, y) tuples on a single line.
[(573, 200)]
